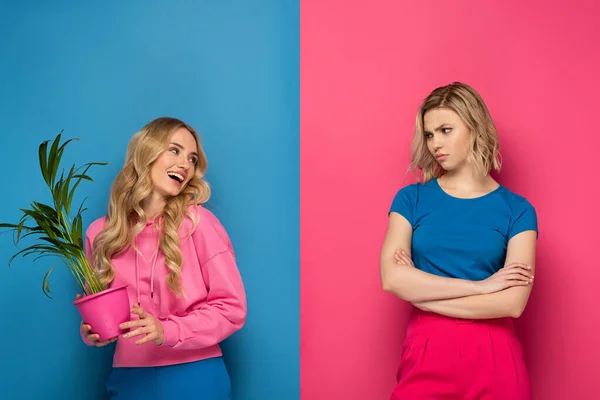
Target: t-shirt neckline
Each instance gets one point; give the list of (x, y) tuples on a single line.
[(437, 184)]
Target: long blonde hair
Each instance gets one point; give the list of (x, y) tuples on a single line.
[(484, 154), (126, 218)]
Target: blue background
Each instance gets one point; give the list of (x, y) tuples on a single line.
[(101, 71)]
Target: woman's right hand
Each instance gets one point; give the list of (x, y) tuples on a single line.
[(513, 274), (92, 337)]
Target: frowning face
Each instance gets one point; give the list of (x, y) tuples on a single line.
[(447, 137)]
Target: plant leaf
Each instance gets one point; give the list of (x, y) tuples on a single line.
[(77, 229), (46, 284), (34, 248), (52, 159), (43, 148), (56, 233)]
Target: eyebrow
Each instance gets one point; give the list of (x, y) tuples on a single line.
[(439, 128), (193, 153)]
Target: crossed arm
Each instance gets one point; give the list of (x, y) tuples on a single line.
[(500, 296)]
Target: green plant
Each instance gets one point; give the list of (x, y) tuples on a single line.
[(59, 233)]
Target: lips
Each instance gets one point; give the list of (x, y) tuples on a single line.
[(440, 156), (177, 176)]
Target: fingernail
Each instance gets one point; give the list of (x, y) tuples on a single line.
[(125, 336)]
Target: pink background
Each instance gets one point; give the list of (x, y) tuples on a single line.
[(364, 71)]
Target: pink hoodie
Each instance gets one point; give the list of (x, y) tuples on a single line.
[(215, 306)]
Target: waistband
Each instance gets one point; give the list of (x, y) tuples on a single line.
[(428, 321)]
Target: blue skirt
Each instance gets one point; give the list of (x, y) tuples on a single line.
[(203, 380)]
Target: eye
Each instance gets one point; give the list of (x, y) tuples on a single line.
[(194, 160), (428, 135), (174, 150), (446, 130)]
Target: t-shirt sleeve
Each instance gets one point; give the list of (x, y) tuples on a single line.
[(404, 203), (524, 219)]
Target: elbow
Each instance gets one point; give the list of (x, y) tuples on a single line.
[(386, 285), (239, 318), (516, 311), (241, 321), (392, 287), (389, 285)]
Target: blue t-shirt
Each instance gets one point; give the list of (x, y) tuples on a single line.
[(462, 238)]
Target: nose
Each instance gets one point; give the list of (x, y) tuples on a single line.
[(184, 162), (437, 142)]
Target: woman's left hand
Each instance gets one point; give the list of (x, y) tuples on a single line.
[(148, 325)]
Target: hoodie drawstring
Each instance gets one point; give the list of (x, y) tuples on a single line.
[(137, 274)]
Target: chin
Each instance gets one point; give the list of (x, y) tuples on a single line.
[(168, 193), (447, 166)]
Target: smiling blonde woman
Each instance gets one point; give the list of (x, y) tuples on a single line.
[(179, 265)]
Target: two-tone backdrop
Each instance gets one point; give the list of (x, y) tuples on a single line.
[(306, 110)]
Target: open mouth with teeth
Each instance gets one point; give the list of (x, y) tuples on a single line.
[(176, 177)]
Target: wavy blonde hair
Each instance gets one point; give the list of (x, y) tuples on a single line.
[(133, 184), (468, 104)]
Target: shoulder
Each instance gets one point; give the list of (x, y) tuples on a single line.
[(523, 216), (95, 227), (517, 202), (203, 216), (207, 223), (410, 194), (209, 237), (410, 191)]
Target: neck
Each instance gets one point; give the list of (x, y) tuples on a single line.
[(465, 179), (153, 205)]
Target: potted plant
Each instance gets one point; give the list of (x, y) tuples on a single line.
[(59, 233)]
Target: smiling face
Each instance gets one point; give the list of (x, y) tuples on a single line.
[(175, 166), (447, 138)]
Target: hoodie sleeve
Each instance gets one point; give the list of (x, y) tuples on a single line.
[(224, 311)]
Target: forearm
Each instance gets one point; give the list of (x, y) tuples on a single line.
[(223, 313), (205, 327), (506, 303), (414, 285)]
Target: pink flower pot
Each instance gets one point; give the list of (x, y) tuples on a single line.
[(104, 311)]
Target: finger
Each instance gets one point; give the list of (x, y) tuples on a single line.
[(148, 338), (398, 258), (518, 265), (86, 327), (132, 323), (526, 274), (78, 296), (139, 331), (518, 279), (519, 271), (94, 337), (137, 310), (513, 283), (521, 268), (406, 258)]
